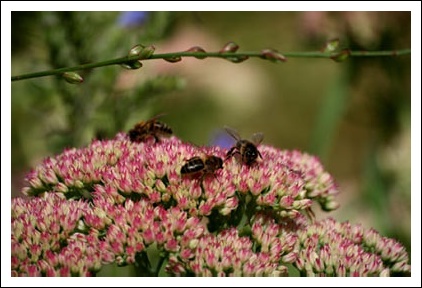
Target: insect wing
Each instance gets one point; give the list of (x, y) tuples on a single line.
[(232, 132), (257, 138), (157, 116)]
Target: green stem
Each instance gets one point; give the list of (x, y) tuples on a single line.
[(142, 265), (226, 55), (158, 268)]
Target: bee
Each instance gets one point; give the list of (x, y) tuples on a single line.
[(205, 165), (245, 148), (150, 128)]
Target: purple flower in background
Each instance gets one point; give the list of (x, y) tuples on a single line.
[(221, 139), (129, 19)]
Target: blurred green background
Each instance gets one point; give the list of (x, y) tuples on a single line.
[(354, 115)]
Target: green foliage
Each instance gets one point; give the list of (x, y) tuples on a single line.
[(70, 116)]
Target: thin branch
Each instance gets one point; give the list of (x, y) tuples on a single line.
[(235, 57)]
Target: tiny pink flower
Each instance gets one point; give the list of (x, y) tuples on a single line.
[(290, 258), (171, 245), (33, 271), (64, 272), (286, 201)]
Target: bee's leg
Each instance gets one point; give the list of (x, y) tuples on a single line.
[(132, 135), (215, 176), (259, 154), (212, 174), (201, 181), (231, 153)]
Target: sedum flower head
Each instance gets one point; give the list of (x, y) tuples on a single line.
[(330, 248), (46, 240), (286, 181), (225, 254), (114, 199)]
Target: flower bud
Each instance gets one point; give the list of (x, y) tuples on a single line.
[(331, 45), (229, 47), (341, 56), (36, 183), (143, 52), (385, 273), (173, 59), (72, 77), (79, 184), (238, 59), (60, 187), (290, 257), (132, 65), (330, 205), (197, 49), (273, 55), (135, 50)]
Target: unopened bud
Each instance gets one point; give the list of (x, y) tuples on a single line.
[(79, 184), (147, 52), (143, 52), (72, 77), (385, 273), (173, 59), (197, 49), (135, 50), (229, 47), (331, 45), (330, 205), (132, 65), (273, 55), (341, 56), (237, 59)]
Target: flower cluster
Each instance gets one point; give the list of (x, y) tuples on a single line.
[(330, 248), (286, 181), (112, 201), (52, 236), (226, 254), (130, 228), (269, 246), (46, 241)]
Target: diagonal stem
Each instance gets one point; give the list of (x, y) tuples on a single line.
[(225, 55)]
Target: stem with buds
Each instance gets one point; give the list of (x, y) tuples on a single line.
[(228, 52)]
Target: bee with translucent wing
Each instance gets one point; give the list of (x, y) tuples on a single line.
[(247, 150), (149, 128)]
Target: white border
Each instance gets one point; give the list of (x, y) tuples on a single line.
[(7, 7)]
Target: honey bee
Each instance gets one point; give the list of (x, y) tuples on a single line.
[(205, 165), (150, 128), (245, 148)]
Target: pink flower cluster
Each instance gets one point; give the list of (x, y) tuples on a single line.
[(52, 236), (113, 200), (46, 241), (130, 228), (287, 181), (228, 254), (330, 248)]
